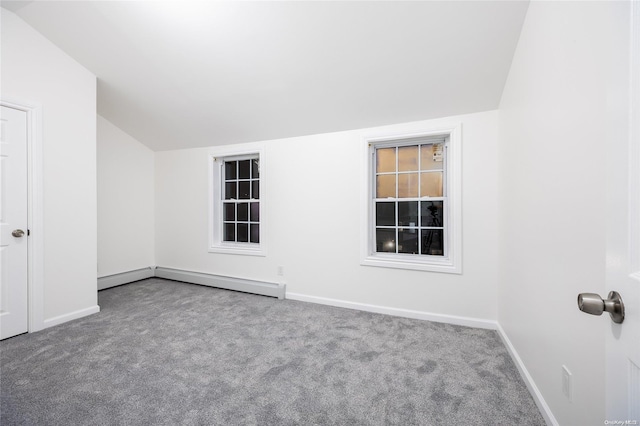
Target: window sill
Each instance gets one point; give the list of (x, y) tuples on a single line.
[(238, 249), (431, 265)]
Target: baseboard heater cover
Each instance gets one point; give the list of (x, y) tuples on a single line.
[(229, 283), (124, 278)]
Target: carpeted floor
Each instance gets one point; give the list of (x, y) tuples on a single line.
[(162, 352)]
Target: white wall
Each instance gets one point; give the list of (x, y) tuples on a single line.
[(36, 71), (554, 146), (125, 202), (313, 229)]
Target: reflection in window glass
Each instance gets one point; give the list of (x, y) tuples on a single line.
[(385, 160), (241, 184), (405, 222), (244, 169), (386, 186), (431, 213), (431, 184), (408, 185), (230, 170), (243, 212), (408, 158), (229, 212), (255, 212), (408, 241), (408, 213), (230, 191), (432, 241), (386, 240), (385, 214), (431, 157)]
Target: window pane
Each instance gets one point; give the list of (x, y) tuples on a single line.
[(386, 240), (385, 186), (243, 233), (229, 232), (255, 233), (243, 212), (408, 185), (408, 241), (431, 184), (229, 212), (230, 191), (431, 157), (431, 212), (385, 160), (244, 188), (432, 242), (255, 168), (255, 189), (244, 169), (230, 170), (408, 158), (255, 212), (408, 213), (386, 214)]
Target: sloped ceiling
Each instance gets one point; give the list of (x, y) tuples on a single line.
[(183, 74)]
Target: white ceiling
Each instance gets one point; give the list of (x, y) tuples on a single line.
[(183, 74)]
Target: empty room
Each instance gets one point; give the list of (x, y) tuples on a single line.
[(320, 212)]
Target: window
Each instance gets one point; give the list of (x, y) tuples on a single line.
[(413, 202), (236, 213)]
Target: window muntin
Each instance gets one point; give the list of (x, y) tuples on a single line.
[(237, 200), (410, 198), (241, 200)]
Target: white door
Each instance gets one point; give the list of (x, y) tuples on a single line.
[(623, 260), (13, 222)]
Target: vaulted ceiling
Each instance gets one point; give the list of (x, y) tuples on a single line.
[(179, 74)]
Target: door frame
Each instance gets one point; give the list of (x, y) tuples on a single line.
[(35, 211)]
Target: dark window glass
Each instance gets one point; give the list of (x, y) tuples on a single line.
[(386, 240), (255, 189), (243, 190), (432, 242), (408, 213), (229, 232), (230, 170), (243, 212), (244, 169), (385, 214), (230, 191), (255, 168), (255, 233), (229, 212), (408, 241), (243, 233), (255, 212), (431, 212)]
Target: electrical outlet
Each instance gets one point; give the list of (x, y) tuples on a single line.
[(567, 383), (280, 271)]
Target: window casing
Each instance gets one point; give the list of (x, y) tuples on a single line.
[(413, 197), (236, 214)]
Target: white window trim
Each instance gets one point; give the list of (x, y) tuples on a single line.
[(452, 263), (216, 245)]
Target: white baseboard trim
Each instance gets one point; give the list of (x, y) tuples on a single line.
[(528, 380), (124, 278), (229, 283), (71, 316), (405, 313)]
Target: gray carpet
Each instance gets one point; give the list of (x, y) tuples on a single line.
[(162, 352)]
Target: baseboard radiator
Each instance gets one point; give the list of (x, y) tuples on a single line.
[(229, 283), (125, 278)]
